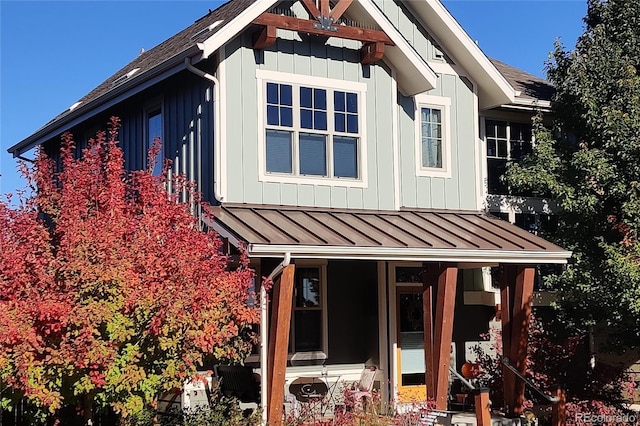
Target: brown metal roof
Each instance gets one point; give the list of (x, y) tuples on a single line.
[(462, 236)]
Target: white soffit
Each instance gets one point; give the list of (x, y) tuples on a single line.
[(414, 75), (493, 88)]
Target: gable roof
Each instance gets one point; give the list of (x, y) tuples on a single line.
[(528, 87), (493, 87), (199, 41)]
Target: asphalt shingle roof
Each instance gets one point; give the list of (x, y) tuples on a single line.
[(529, 86)]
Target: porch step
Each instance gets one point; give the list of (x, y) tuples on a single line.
[(463, 418)]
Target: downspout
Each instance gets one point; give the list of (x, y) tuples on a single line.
[(216, 127), (264, 335)]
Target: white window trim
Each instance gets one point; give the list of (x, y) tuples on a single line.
[(264, 76), (444, 104), (314, 355)]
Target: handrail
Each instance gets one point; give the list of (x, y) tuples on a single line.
[(552, 399), (462, 379)]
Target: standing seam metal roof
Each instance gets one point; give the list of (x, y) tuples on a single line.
[(406, 229)]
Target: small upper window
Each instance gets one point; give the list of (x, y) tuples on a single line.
[(432, 135), (154, 131)]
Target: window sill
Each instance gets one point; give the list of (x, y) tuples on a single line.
[(308, 180)]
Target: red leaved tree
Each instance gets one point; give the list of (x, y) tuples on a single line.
[(110, 292)]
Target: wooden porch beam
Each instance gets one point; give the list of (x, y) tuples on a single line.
[(445, 306), (372, 52), (308, 26), (279, 344), (265, 38), (521, 314), (339, 9)]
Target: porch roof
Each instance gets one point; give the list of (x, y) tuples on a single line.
[(416, 234)]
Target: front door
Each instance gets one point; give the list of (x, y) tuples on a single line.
[(410, 373)]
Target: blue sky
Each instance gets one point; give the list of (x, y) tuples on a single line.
[(54, 52)]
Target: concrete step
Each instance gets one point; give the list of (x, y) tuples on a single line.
[(463, 418)]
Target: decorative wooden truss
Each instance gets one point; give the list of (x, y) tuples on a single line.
[(323, 24)]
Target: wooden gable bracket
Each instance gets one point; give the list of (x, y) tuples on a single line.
[(374, 41)]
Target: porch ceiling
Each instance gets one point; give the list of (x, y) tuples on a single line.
[(416, 234)]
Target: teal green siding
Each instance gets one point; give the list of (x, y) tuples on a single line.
[(337, 60)]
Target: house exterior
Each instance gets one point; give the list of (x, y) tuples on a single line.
[(346, 145)]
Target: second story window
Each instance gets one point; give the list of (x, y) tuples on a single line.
[(313, 129), (506, 142), (432, 136)]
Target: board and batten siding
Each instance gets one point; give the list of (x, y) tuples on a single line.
[(459, 191), (338, 60), (186, 102)]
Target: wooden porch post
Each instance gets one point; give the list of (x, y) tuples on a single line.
[(279, 344), (438, 350), (444, 332), (429, 278), (515, 336)]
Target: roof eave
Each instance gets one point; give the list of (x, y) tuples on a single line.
[(231, 29), (409, 254), (494, 89), (100, 104)]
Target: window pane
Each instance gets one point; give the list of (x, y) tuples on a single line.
[(352, 123), (154, 130), (345, 157), (306, 119), (278, 151), (313, 154), (307, 288), (502, 149), (320, 120), (491, 148), (490, 128), (286, 95), (308, 330), (501, 129), (305, 97), (320, 99), (352, 102), (431, 153), (495, 169), (339, 101), (286, 117), (273, 117), (272, 93), (431, 137), (340, 122)]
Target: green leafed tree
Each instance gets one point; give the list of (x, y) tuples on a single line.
[(590, 164), (110, 293)]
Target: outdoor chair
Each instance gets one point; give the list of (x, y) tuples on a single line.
[(362, 391)]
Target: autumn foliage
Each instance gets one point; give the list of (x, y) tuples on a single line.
[(109, 289)]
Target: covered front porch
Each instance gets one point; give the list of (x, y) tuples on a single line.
[(386, 289)]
